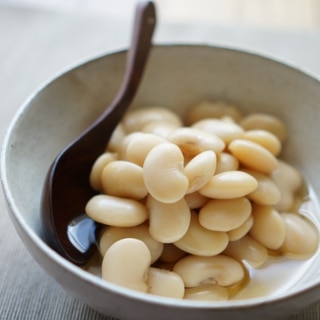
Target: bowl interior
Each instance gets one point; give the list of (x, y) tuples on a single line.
[(177, 77)]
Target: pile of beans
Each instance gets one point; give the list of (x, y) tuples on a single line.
[(186, 202)]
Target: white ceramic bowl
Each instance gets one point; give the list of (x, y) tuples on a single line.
[(177, 77)]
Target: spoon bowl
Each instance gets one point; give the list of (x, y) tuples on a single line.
[(67, 188)]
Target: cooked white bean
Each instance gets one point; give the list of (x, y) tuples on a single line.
[(168, 222), (249, 250), (192, 141), (200, 169), (116, 139), (112, 234), (217, 270), (135, 120), (267, 192), (207, 293), (226, 162), (266, 139), (268, 226), (288, 180), (253, 156), (98, 166), (195, 200), (241, 231), (123, 179), (163, 173), (229, 185), (201, 241), (216, 109), (224, 215), (160, 128), (165, 283), (226, 130), (302, 237), (266, 122), (139, 145), (126, 263), (115, 211)]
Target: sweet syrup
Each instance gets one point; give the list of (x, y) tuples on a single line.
[(279, 273)]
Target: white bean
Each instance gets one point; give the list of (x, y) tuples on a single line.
[(253, 156), (200, 169), (268, 227), (267, 192), (163, 173), (217, 270), (126, 263), (229, 185), (168, 222), (165, 283), (192, 141), (123, 179), (112, 234), (135, 120), (96, 171), (216, 109), (226, 130), (224, 215), (115, 211), (302, 237), (249, 250), (201, 241), (266, 122)]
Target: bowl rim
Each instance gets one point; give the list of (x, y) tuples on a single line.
[(22, 226)]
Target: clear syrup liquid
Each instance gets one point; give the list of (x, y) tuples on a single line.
[(279, 274)]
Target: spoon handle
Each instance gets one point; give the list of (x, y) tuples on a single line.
[(145, 21)]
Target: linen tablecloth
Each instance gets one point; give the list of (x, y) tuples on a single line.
[(37, 45)]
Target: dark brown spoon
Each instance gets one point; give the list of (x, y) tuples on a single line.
[(66, 191)]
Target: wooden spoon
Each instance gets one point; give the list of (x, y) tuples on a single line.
[(67, 189)]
